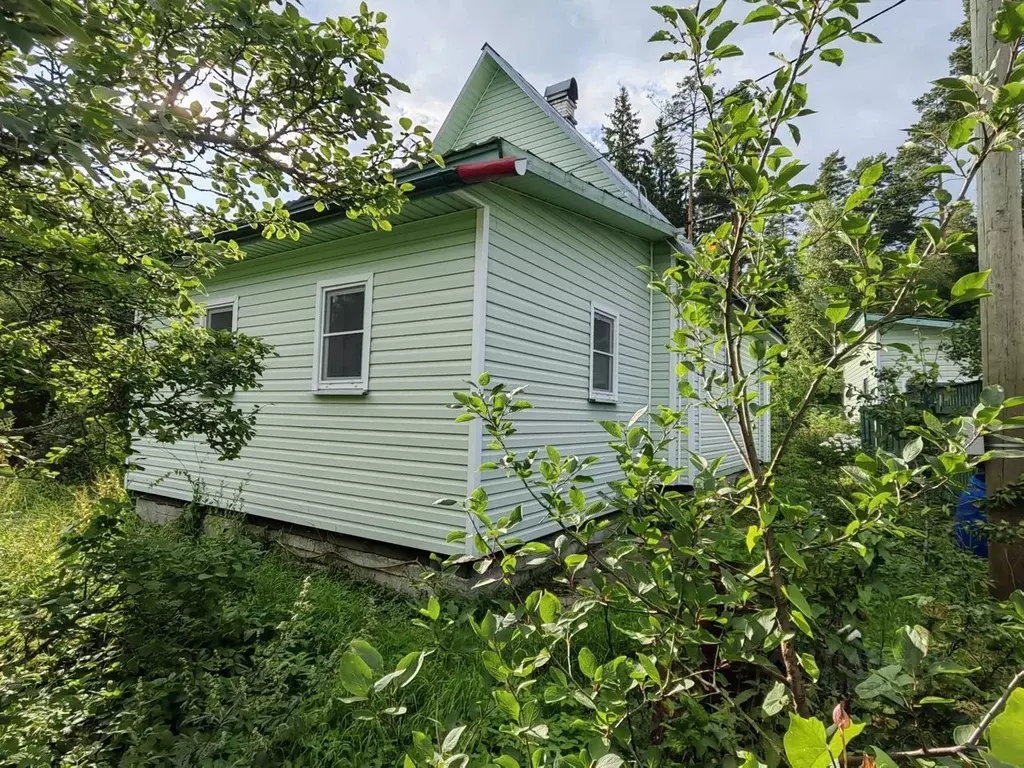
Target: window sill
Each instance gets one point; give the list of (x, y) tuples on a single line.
[(606, 398), (354, 388)]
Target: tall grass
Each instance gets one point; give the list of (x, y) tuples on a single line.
[(33, 516)]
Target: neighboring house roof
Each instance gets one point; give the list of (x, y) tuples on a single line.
[(922, 322), (570, 150)]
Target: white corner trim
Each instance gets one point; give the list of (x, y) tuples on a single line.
[(599, 396), (475, 447), (353, 386), (650, 342)]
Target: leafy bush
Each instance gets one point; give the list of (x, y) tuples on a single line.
[(128, 644)]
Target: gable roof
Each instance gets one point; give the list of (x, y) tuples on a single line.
[(568, 148)]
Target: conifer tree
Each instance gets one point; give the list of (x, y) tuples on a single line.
[(622, 138), (833, 177), (666, 190)]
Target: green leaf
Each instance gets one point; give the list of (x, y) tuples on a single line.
[(492, 663), (838, 311), (609, 761), (1009, 24), (776, 699), (1006, 733), (356, 675), (805, 743), (550, 607), (913, 449), (971, 282), (689, 20), (836, 745), (790, 551), (993, 396), (727, 51), (764, 13), (962, 131), (507, 704), (753, 534), (935, 700), (810, 665), (857, 198), (613, 428), (750, 760), (719, 33), (451, 741), (882, 760), (833, 56), (801, 621), (433, 609), (409, 667), (588, 662), (871, 175), (796, 597), (650, 667), (368, 653)]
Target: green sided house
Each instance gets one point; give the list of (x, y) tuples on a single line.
[(523, 257)]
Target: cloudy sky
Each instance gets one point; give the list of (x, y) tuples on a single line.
[(862, 107)]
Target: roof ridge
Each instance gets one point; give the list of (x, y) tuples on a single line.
[(634, 193)]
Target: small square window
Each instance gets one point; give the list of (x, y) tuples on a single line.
[(342, 342), (220, 315), (604, 353)]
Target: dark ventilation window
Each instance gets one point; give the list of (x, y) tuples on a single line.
[(343, 325), (604, 328), (221, 318)]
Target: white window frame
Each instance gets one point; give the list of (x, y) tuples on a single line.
[(220, 303), (354, 385), (598, 395)]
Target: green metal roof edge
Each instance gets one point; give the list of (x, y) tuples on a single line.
[(554, 175), (924, 322)]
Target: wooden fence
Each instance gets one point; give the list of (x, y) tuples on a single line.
[(944, 400)]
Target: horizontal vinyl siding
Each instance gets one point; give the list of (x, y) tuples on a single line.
[(370, 465), (859, 374), (546, 267), (505, 110), (719, 439), (664, 391), (925, 343)]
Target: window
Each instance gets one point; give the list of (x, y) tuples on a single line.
[(604, 354), (342, 358), (221, 314)]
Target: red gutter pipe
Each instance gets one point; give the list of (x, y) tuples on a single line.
[(489, 170)]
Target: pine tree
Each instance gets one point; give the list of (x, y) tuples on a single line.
[(703, 206), (622, 138), (833, 177), (665, 188)]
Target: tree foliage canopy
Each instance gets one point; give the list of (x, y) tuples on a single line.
[(135, 138)]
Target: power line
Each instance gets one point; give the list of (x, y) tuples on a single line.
[(692, 117)]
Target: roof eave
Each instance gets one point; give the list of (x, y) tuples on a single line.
[(618, 210)]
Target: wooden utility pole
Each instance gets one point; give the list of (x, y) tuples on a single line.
[(1001, 249)]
